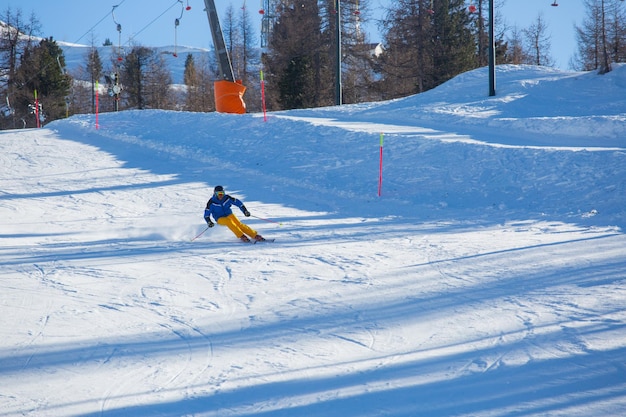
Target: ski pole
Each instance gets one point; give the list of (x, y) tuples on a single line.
[(201, 233), (266, 220)]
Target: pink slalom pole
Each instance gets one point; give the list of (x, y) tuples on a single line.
[(37, 121), (97, 94), (380, 170), (263, 98)]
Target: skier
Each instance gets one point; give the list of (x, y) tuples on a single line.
[(219, 206)]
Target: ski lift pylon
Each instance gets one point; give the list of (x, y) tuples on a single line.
[(119, 31), (176, 24)]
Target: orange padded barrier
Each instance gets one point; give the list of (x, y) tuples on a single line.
[(229, 97)]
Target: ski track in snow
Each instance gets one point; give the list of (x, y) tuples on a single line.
[(486, 281)]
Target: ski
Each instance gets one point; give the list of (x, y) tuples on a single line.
[(254, 242), (264, 241)]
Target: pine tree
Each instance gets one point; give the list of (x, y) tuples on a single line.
[(94, 69), (428, 42), (132, 76), (198, 82), (454, 47), (190, 75), (16, 35), (407, 63), (303, 43), (146, 80), (298, 64), (42, 68)]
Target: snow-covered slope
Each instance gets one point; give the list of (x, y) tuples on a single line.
[(486, 280)]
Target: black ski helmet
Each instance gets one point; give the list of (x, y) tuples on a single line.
[(218, 188)]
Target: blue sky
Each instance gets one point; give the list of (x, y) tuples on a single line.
[(151, 22)]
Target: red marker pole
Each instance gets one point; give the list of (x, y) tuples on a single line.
[(263, 98), (380, 170), (97, 94)]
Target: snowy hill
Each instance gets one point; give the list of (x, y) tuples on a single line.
[(486, 280), (174, 56)]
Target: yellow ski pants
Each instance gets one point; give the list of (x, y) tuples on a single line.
[(234, 224)]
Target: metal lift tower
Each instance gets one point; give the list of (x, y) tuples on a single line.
[(267, 21), (228, 91)]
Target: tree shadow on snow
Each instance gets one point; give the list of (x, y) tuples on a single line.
[(442, 380)]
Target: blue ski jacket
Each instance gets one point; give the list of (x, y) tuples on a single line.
[(217, 207)]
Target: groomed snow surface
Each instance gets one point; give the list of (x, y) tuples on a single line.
[(487, 280)]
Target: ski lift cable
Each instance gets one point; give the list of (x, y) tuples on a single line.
[(151, 22), (94, 26)]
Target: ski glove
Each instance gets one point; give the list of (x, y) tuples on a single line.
[(210, 223), (245, 211)]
